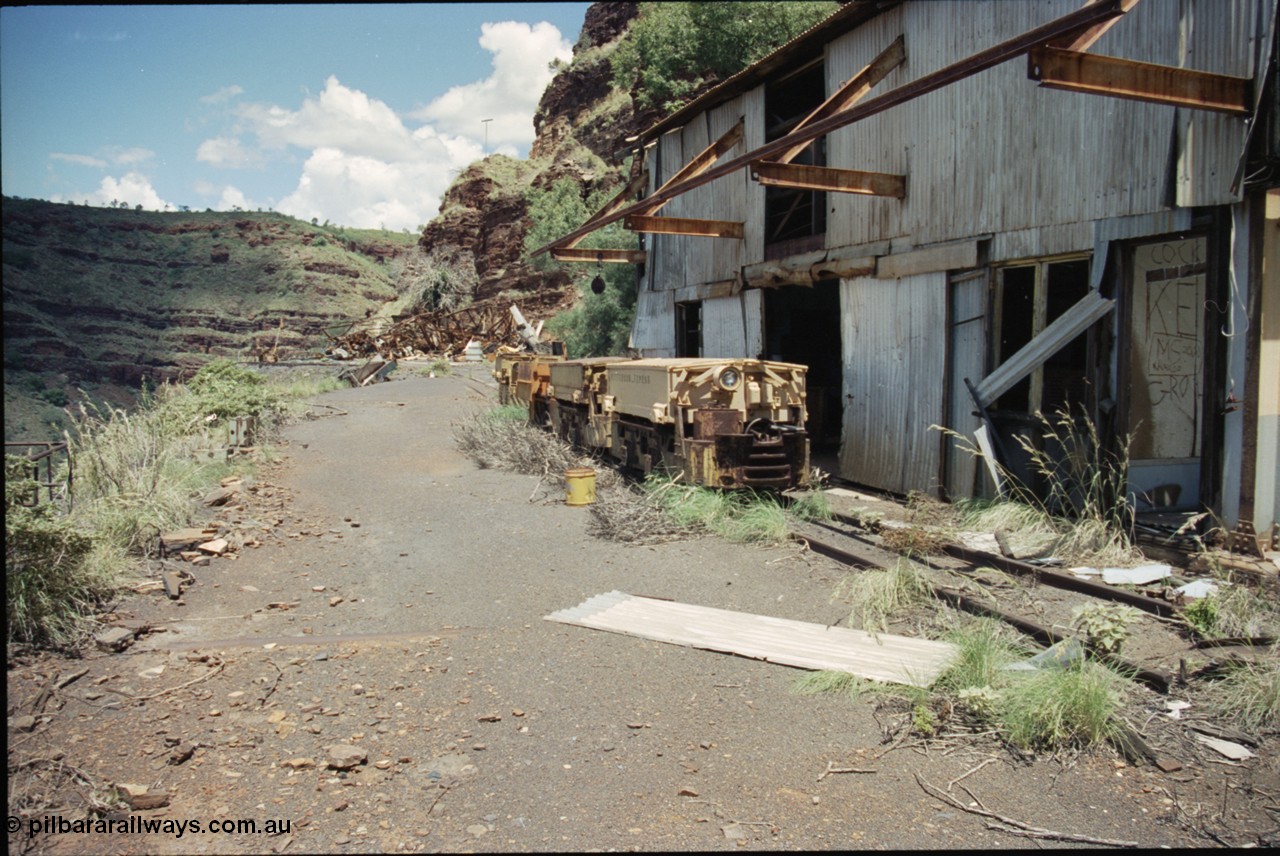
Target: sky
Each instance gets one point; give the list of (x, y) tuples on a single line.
[(361, 114)]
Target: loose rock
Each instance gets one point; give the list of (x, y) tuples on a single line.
[(344, 757)]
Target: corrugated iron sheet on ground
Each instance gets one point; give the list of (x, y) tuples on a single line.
[(881, 657)]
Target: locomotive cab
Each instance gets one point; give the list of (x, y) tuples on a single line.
[(728, 423)]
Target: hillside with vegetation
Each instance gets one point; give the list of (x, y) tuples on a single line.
[(105, 300), (99, 301)]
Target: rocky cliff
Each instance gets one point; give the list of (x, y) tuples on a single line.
[(581, 127)]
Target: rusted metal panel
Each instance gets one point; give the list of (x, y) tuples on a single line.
[(894, 350), (1223, 38), (1019, 157)]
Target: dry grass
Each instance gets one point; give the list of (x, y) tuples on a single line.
[(503, 439), (1081, 510), (879, 596), (913, 541), (631, 516)]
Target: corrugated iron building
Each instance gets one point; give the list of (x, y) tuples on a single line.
[(1067, 221)]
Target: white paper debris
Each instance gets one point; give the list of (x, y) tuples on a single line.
[(1226, 748), (1198, 588), (1085, 573), (1135, 576)]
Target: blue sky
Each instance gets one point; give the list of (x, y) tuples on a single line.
[(357, 114)]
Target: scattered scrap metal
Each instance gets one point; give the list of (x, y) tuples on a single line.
[(442, 333)]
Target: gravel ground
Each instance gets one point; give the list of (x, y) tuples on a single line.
[(485, 727)]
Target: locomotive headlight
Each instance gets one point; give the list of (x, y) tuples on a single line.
[(729, 379)]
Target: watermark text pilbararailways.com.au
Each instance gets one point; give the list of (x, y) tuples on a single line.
[(134, 824)]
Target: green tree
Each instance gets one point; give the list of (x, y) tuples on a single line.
[(598, 324), (674, 48)]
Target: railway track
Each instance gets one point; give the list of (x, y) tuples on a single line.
[(981, 583)]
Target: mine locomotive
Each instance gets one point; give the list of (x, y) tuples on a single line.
[(726, 423)]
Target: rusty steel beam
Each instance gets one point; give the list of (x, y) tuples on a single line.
[(1067, 25), (685, 226), (1075, 71), (614, 204), (1085, 40), (1162, 608), (772, 174), (586, 254), (700, 162), (854, 90)]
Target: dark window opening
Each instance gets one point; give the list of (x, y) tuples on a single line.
[(1029, 298), (795, 220), (1016, 322), (689, 329), (1066, 372)]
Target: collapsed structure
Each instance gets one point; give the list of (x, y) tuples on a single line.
[(966, 214)]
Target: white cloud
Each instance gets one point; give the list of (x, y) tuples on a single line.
[(369, 193), (509, 96), (227, 152), (366, 167), (223, 95), (130, 156), (340, 118), (132, 188), (233, 197), (113, 155), (79, 160)]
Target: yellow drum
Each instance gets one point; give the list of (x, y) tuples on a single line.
[(582, 486)]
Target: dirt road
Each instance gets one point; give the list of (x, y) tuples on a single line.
[(397, 606)]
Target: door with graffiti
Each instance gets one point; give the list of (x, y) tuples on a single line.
[(1166, 371)]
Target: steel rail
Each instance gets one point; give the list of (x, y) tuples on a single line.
[(1156, 679)]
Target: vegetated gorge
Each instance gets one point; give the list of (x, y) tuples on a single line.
[(312, 636), (99, 301)]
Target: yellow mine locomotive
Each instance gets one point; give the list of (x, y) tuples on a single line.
[(729, 423)]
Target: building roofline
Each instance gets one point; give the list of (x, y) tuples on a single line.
[(848, 17)]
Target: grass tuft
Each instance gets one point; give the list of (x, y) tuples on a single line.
[(1080, 499), (985, 647), (878, 596), (1250, 694), (1075, 707)]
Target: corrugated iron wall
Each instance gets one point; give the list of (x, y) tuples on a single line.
[(1038, 171), (894, 345), (995, 153)]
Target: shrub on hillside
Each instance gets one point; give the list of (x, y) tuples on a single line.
[(225, 389), (674, 48)]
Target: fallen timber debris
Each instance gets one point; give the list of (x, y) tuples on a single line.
[(1016, 827), (1162, 608)]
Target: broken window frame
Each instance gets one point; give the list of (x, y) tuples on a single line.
[(1040, 319)]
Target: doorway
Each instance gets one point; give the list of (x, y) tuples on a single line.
[(802, 325)]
